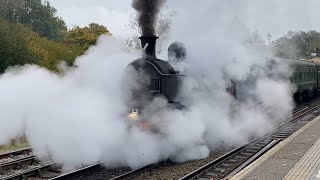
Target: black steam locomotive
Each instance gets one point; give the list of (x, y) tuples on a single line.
[(162, 80)]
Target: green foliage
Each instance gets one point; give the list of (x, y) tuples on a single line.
[(50, 53), (296, 45), (86, 36), (40, 17), (19, 45), (14, 48), (31, 33)]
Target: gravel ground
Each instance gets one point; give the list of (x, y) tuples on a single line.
[(16, 171), (101, 173), (45, 175), (9, 159), (6, 151), (177, 170), (9, 151)]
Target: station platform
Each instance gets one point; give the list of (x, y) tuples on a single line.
[(295, 158)]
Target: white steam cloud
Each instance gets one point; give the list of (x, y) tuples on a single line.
[(78, 118)]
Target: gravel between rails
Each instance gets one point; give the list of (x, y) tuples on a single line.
[(16, 171), (177, 170), (101, 173), (6, 151), (10, 159)]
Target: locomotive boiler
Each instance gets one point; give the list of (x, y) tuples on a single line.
[(153, 78)]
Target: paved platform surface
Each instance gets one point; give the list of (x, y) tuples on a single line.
[(296, 158)]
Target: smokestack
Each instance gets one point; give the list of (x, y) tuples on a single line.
[(149, 45)]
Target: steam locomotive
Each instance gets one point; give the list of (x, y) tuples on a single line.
[(156, 78)]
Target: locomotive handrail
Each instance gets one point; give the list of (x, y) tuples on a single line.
[(161, 72)]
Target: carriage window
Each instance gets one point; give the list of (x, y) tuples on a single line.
[(299, 74)]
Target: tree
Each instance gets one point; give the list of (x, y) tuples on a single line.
[(162, 30), (86, 36), (41, 17), (256, 42), (51, 53), (14, 48), (20, 45), (296, 44)]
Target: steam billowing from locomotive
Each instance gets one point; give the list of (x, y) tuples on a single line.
[(147, 12), (86, 105)]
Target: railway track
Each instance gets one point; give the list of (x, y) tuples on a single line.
[(37, 171), (88, 171), (300, 108), (28, 160), (22, 164), (95, 171), (11, 156), (134, 173), (231, 163)]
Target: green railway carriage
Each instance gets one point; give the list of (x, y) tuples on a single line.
[(305, 76), (318, 77)]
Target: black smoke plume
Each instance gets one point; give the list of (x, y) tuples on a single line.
[(147, 14)]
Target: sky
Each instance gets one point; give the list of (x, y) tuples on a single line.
[(114, 14), (276, 17)]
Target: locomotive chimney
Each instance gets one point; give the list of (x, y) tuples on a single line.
[(148, 43)]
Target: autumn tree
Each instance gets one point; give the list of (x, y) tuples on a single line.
[(41, 17), (51, 53), (20, 45), (86, 36)]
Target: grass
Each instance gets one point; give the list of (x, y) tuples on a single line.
[(18, 143)]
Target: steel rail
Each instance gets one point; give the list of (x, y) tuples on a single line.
[(253, 158), (135, 173), (72, 174), (15, 153), (17, 162), (198, 172), (29, 173), (246, 154)]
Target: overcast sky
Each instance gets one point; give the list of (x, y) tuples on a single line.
[(274, 16), (112, 13)]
